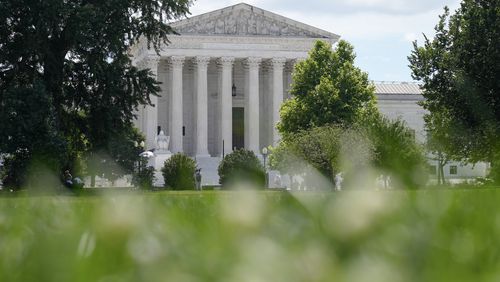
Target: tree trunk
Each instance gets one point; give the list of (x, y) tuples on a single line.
[(441, 168)]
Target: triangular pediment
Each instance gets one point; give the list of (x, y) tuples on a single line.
[(246, 20)]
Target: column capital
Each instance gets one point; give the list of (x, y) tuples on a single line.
[(253, 62), (202, 61), (278, 62), (177, 60), (226, 61), (290, 64)]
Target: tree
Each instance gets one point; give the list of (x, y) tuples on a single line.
[(27, 114), (327, 89), (328, 150), (459, 69), (376, 143), (440, 131), (333, 125), (396, 152), (76, 51)]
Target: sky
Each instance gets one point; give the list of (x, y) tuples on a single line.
[(382, 31)]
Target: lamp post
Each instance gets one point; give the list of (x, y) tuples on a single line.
[(264, 155), (140, 148)]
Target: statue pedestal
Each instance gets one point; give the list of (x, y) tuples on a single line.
[(159, 159)]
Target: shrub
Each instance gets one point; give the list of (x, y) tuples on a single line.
[(178, 172), (242, 166), (144, 176)]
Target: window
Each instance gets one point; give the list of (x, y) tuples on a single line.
[(453, 170)]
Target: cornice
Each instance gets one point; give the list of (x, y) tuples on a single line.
[(238, 42)]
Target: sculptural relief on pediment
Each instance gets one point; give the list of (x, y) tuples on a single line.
[(243, 23)]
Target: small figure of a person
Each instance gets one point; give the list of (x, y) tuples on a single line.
[(197, 178), (68, 179)]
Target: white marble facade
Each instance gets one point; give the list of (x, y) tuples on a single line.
[(237, 58)]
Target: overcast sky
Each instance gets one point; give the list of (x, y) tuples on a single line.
[(380, 30)]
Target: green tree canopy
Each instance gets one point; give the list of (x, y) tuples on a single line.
[(376, 144), (460, 70), (76, 51), (327, 89)]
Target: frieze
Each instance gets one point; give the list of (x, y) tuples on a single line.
[(244, 21)]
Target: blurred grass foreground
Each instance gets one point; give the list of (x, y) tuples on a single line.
[(446, 235)]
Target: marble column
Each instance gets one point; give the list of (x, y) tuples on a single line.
[(176, 105), (226, 90), (202, 106), (150, 112), (277, 95), (252, 105)]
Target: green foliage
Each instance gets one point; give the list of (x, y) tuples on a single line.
[(442, 141), (327, 89), (327, 150), (459, 69), (75, 56), (178, 172), (397, 154), (241, 167), (29, 133), (144, 175), (378, 144), (430, 235)]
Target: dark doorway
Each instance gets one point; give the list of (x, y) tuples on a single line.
[(239, 128)]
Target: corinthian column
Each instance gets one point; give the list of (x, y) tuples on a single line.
[(202, 107), (226, 79), (150, 112), (278, 65), (176, 105), (252, 123)]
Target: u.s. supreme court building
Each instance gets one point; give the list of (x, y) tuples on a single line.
[(225, 76)]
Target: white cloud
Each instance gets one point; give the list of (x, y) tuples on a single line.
[(370, 19), (378, 28), (339, 6)]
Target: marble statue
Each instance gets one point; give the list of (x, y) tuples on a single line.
[(162, 142)]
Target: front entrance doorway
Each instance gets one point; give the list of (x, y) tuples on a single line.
[(239, 128)]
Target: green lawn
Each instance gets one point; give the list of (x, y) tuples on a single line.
[(430, 235)]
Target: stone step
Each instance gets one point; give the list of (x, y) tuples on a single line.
[(209, 173)]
